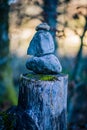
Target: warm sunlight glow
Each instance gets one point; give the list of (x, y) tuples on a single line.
[(72, 41)]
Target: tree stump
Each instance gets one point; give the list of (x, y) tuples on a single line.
[(44, 98)]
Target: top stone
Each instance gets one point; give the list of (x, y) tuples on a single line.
[(43, 26), (42, 42)]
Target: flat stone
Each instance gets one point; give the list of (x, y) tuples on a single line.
[(48, 64), (41, 44)]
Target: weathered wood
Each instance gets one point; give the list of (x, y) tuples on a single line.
[(44, 98)]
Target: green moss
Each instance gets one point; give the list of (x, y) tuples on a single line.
[(42, 77), (8, 120), (6, 79), (48, 78)]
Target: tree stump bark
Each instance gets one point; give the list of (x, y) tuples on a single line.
[(44, 98)]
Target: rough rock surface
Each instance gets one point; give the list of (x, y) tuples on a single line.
[(16, 118), (44, 100), (48, 64), (41, 44)]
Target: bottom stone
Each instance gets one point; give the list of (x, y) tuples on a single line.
[(45, 101), (47, 64)]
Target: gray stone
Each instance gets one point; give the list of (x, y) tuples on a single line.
[(43, 26), (45, 101), (42, 49), (48, 64), (41, 44)]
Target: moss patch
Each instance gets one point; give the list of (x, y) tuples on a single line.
[(42, 77), (8, 120)]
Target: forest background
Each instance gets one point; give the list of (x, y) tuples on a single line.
[(68, 21)]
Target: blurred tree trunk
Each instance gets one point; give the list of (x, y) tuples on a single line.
[(6, 81), (50, 16), (78, 64), (76, 75)]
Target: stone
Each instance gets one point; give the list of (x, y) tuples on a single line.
[(43, 26), (42, 49), (41, 44), (48, 64), (44, 101)]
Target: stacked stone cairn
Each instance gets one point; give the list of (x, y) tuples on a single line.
[(41, 49), (42, 104)]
